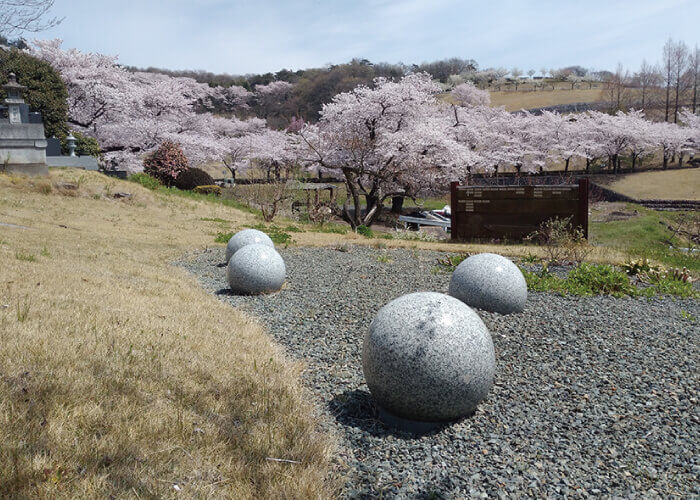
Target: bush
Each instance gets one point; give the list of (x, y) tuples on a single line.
[(364, 231), (166, 163), (84, 145), (208, 189), (562, 242), (191, 178), (145, 180)]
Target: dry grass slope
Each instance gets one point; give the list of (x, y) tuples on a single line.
[(514, 101), (659, 185), (119, 376)]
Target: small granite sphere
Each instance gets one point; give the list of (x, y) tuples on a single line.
[(246, 237), (490, 282), (256, 269), (428, 358)]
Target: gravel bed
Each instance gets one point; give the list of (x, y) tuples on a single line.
[(593, 396)]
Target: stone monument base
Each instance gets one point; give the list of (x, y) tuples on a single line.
[(27, 169)]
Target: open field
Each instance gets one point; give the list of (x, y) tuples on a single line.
[(119, 376), (659, 185), (514, 101)]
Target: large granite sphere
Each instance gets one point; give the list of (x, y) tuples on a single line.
[(490, 282), (428, 358), (256, 269), (246, 237)]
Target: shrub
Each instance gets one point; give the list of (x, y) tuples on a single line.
[(562, 242), (191, 178), (166, 163), (601, 279), (209, 189), (84, 145), (145, 180), (364, 231)]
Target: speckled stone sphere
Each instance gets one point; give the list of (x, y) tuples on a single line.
[(428, 358), (256, 269), (246, 237), (490, 282)]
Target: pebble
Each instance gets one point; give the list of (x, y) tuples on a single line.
[(593, 395)]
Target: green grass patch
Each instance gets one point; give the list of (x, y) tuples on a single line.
[(26, 257), (602, 279), (145, 180), (330, 227), (211, 198), (223, 237), (687, 316), (648, 236), (365, 231), (215, 219)]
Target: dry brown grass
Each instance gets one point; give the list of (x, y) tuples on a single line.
[(514, 101), (119, 375), (661, 185), (597, 254)]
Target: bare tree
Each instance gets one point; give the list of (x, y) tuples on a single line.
[(694, 75), (649, 77), (668, 72), (531, 73), (680, 63), (17, 16)]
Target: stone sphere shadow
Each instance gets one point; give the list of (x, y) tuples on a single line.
[(356, 408)]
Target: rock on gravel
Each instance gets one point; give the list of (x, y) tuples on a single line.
[(592, 396)]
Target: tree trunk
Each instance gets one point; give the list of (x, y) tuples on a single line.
[(566, 165), (396, 204), (680, 159), (665, 164), (634, 161), (588, 165)]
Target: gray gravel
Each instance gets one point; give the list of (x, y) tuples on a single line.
[(593, 396)]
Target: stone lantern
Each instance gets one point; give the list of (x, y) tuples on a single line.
[(22, 141), (14, 98), (70, 140)]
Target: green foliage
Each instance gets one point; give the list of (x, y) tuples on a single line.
[(191, 178), (687, 316), (449, 263), (276, 234), (223, 237), (601, 279), (365, 231), (166, 163), (45, 92), (84, 145), (331, 228), (208, 189), (145, 180), (597, 279), (384, 259)]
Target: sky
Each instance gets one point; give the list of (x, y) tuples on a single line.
[(241, 37)]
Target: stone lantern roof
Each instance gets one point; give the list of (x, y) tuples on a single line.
[(14, 90)]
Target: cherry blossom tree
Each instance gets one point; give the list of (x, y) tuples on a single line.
[(466, 94), (131, 113), (393, 140)]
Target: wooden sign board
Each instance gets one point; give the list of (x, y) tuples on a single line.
[(513, 212)]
